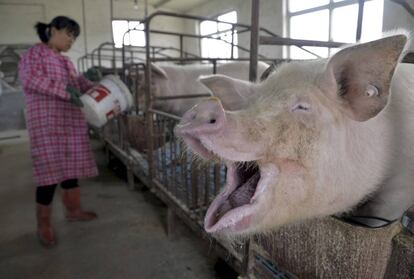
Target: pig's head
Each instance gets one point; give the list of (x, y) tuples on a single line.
[(299, 144)]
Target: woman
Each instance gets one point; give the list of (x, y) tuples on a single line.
[(59, 140)]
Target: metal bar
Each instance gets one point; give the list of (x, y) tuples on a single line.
[(194, 186), (232, 42), (184, 166), (163, 153), (174, 153), (217, 184), (267, 40), (214, 66), (148, 102), (207, 185), (218, 33), (158, 154), (168, 131), (137, 104), (99, 57), (165, 114), (181, 46), (211, 60), (360, 19), (254, 40), (329, 26), (183, 96)]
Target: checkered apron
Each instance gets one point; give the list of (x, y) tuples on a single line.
[(59, 140)]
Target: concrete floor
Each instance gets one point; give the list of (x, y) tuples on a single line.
[(127, 241)]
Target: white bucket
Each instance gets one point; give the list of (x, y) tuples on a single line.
[(106, 100)]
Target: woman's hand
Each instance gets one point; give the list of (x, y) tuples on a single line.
[(74, 96), (93, 74)]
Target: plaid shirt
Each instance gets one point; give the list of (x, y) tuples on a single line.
[(58, 131)]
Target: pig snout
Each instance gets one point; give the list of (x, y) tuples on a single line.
[(205, 118)]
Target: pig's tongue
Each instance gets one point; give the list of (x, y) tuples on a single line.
[(243, 193)]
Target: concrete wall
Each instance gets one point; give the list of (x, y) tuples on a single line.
[(11, 111), (271, 18)]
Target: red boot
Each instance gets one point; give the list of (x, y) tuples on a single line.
[(71, 200), (44, 229)]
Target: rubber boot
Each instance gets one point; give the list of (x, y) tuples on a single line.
[(45, 231), (74, 212)]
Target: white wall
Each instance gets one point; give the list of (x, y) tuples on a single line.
[(17, 22)]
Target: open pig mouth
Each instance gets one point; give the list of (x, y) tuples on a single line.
[(232, 210)]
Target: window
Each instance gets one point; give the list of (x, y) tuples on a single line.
[(136, 37), (213, 48), (330, 20)]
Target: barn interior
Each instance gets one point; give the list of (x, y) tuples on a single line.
[(152, 193)]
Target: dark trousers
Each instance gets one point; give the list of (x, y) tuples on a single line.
[(44, 194)]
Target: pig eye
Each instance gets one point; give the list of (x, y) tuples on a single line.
[(371, 91), (301, 107)]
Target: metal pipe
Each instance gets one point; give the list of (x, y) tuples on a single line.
[(254, 40), (267, 40), (148, 101), (210, 59), (166, 114), (360, 19), (183, 96), (181, 46), (232, 42)]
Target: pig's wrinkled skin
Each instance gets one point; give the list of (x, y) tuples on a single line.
[(326, 136), (183, 80)]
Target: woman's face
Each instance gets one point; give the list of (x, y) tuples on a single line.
[(61, 40)]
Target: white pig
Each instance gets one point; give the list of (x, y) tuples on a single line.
[(183, 80), (314, 139)]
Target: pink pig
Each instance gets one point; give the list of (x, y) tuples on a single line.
[(314, 139)]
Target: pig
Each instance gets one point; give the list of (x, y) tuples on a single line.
[(316, 138), (176, 80)]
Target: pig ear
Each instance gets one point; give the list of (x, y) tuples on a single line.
[(361, 75), (233, 93), (158, 71)]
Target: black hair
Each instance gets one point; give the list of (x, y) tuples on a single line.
[(59, 22)]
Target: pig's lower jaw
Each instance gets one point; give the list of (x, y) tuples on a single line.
[(233, 210)]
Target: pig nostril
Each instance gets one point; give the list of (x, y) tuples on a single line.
[(212, 121)]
